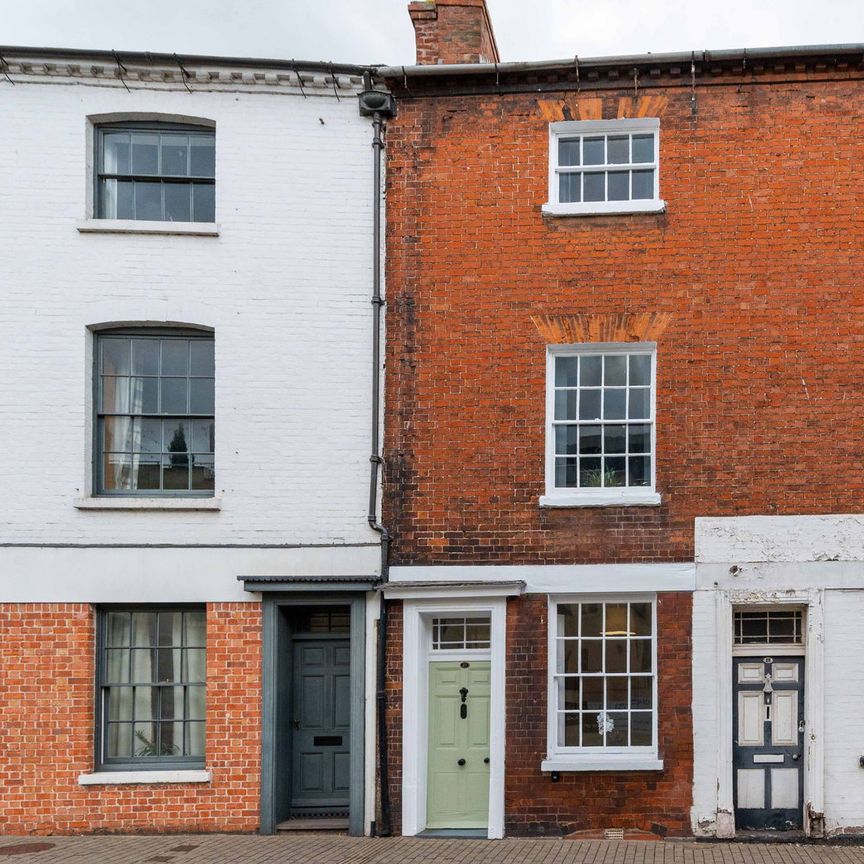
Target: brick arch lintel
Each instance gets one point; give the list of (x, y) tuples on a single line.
[(622, 327)]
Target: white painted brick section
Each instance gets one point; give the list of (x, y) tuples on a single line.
[(286, 286)]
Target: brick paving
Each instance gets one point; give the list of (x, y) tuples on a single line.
[(320, 849)]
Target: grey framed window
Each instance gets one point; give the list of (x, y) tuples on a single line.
[(769, 627), (151, 687), (154, 423), (156, 172)]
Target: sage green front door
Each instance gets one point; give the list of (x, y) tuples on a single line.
[(457, 794)]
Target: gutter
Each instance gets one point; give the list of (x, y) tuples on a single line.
[(729, 55)]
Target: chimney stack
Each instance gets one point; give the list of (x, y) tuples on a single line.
[(453, 31)]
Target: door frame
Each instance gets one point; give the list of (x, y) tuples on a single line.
[(277, 671), (417, 617), (811, 601)]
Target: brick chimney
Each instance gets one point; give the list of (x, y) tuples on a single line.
[(453, 31)]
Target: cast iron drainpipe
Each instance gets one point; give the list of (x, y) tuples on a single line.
[(379, 105)]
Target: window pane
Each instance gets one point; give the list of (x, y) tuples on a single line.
[(569, 188), (171, 703), (643, 148), (568, 151), (593, 152), (591, 472), (175, 357), (566, 440), (589, 440), (203, 203), (143, 629), (148, 435), (115, 356), (589, 404), (195, 706), (203, 155), (118, 703), (591, 655), (614, 404), (640, 369), (202, 397), (592, 694), (591, 371), (171, 739), (616, 692), (145, 743), (118, 740), (116, 199), (117, 629), (591, 734), (640, 404), (614, 439), (176, 435), (146, 703), (145, 357), (643, 185), (178, 202), (615, 370), (203, 436), (566, 472), (566, 371), (639, 438), (592, 619), (117, 434), (568, 619), (201, 357), (618, 147), (570, 664), (615, 471), (595, 187), (148, 201), (174, 395), (203, 474), (145, 153), (565, 404), (146, 472), (616, 619), (170, 628), (617, 729), (640, 619), (175, 471), (142, 666), (195, 739), (616, 655), (640, 655), (175, 154), (640, 470), (568, 694), (143, 395), (117, 666), (619, 185), (168, 664), (641, 692), (641, 729), (196, 628), (195, 670), (117, 472), (115, 153)]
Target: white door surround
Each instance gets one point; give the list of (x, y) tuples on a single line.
[(417, 617), (725, 603)]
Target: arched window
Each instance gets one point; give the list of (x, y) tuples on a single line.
[(154, 171), (155, 417)]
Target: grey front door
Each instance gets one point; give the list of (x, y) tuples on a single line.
[(322, 719), (768, 742)]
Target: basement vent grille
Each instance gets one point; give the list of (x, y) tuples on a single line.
[(613, 833)]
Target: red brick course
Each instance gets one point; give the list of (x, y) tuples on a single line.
[(453, 31), (47, 660)]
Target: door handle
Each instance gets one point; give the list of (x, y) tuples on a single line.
[(463, 708), (460, 762), (796, 756), (486, 761)]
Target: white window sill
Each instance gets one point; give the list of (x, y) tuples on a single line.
[(604, 208), (130, 503), (117, 778), (602, 763), (134, 226), (602, 499)]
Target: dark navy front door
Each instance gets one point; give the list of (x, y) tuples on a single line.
[(768, 742), (321, 733)]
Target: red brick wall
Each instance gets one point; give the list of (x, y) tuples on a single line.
[(605, 799), (47, 656), (393, 685), (453, 31), (757, 263)]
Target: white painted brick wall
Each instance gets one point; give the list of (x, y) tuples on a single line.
[(286, 286)]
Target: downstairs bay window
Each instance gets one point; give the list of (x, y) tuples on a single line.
[(602, 685)]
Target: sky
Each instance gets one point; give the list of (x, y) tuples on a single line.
[(379, 31)]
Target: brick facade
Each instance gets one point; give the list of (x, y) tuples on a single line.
[(47, 668), (754, 267), (453, 31)]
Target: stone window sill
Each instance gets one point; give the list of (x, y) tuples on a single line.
[(602, 763), (117, 778), (135, 226), (601, 499), (604, 208), (123, 503)]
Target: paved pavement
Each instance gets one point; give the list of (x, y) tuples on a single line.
[(321, 849)]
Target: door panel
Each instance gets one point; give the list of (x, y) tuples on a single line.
[(768, 742), (321, 726), (458, 795)]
